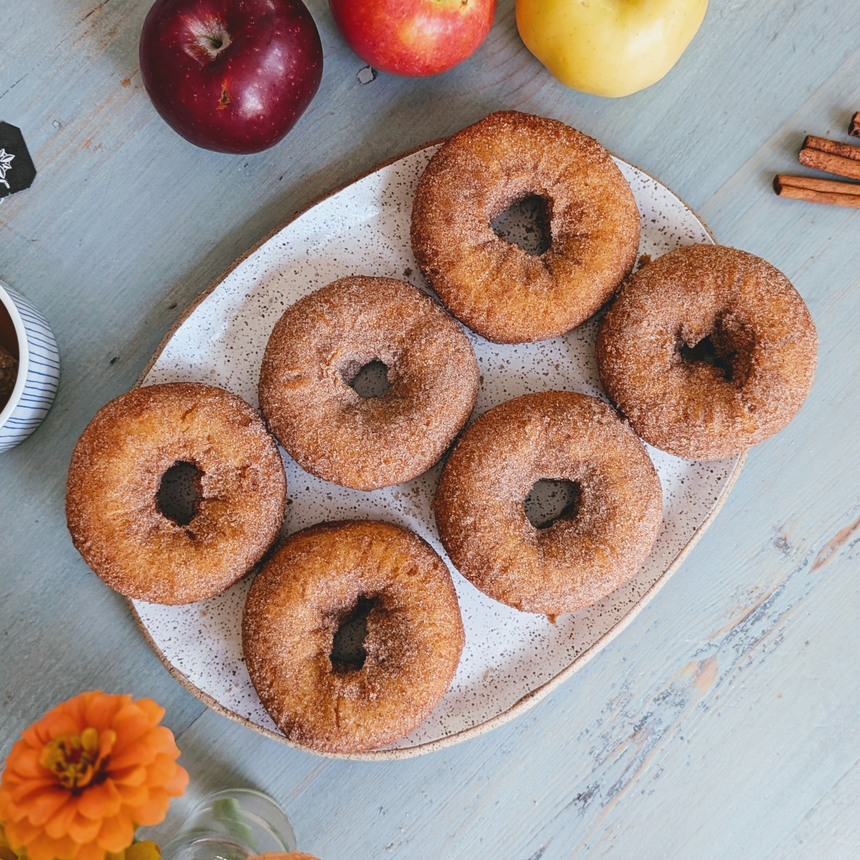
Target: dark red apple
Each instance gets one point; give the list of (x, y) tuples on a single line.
[(230, 75), (413, 37)]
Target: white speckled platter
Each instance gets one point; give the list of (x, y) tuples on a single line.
[(511, 659)]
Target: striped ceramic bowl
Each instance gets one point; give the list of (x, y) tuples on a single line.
[(38, 369)]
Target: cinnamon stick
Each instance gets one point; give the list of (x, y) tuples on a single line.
[(843, 150), (854, 128), (817, 190), (830, 163)]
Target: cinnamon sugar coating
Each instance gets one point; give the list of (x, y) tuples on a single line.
[(758, 326), (319, 345), (413, 644), (585, 553), (494, 287), (116, 472)]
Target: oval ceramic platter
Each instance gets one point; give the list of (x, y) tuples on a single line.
[(511, 659)]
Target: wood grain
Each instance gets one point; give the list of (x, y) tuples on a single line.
[(723, 722)]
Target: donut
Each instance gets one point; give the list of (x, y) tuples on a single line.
[(707, 351), (117, 467), (318, 346), (584, 554), (310, 586), (497, 289)]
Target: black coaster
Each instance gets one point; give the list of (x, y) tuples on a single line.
[(17, 170)]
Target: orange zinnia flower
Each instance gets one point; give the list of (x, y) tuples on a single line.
[(86, 775)]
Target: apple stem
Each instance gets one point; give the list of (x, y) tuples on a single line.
[(212, 40)]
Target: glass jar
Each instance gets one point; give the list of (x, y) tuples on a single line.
[(232, 825)]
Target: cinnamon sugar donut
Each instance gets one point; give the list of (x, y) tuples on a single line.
[(707, 350), (116, 473), (585, 553), (494, 287), (320, 344), (309, 587)]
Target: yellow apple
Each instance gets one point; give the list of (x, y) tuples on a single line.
[(609, 47)]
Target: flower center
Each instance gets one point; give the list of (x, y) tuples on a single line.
[(78, 760)]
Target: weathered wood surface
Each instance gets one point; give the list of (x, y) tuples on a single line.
[(724, 721)]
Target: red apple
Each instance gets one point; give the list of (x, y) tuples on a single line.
[(413, 37), (230, 75)]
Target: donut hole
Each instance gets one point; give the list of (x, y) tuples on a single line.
[(705, 352), (348, 652), (368, 379), (526, 224), (727, 348), (550, 501), (178, 496)]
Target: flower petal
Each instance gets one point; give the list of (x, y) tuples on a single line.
[(175, 787), (130, 723), (154, 810), (24, 762), (132, 795), (102, 710), (35, 736), (116, 833), (59, 723), (166, 741), (138, 752), (76, 707), (58, 825), (90, 851), (17, 833), (26, 790), (135, 775), (42, 847), (161, 770), (154, 712), (83, 829), (100, 801), (45, 803)]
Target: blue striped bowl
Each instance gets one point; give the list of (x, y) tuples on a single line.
[(38, 371)]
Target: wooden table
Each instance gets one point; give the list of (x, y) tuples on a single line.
[(724, 721)]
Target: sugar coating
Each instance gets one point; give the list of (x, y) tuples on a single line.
[(759, 326), (413, 644), (493, 286), (581, 557), (322, 341), (116, 472)]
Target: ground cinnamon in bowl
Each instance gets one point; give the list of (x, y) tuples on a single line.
[(8, 375)]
